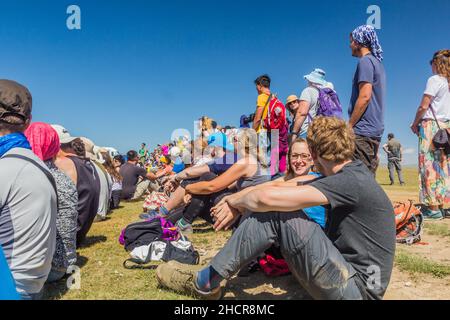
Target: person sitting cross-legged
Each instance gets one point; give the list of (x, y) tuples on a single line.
[(352, 259)]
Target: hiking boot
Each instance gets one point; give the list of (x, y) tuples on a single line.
[(429, 214), (184, 227), (182, 278)]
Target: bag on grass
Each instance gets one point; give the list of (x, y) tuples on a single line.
[(180, 250), (408, 222), (144, 233)]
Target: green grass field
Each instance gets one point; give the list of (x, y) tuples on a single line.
[(104, 277)]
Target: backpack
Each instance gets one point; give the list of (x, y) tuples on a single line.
[(276, 114), (180, 250), (145, 232), (408, 222), (329, 104)]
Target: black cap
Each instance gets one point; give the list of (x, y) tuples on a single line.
[(15, 102)]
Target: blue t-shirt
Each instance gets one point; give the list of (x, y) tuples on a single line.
[(220, 165), (8, 286), (371, 123), (316, 213), (178, 165)]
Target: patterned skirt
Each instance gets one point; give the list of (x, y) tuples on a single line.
[(434, 167)]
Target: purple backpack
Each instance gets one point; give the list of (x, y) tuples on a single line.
[(329, 104)]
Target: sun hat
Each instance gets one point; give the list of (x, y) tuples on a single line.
[(15, 102), (291, 98), (317, 77), (220, 139), (63, 134)]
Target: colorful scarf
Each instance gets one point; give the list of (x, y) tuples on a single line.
[(366, 36), (13, 140), (43, 139)]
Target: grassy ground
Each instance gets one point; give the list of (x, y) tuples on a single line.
[(103, 276)]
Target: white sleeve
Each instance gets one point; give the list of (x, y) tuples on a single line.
[(432, 86)]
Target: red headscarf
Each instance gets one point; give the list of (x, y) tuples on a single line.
[(43, 139)]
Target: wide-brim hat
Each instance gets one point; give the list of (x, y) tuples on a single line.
[(291, 98), (317, 77)]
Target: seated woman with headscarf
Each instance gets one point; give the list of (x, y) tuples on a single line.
[(45, 144)]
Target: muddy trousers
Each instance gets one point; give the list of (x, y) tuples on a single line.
[(312, 258)]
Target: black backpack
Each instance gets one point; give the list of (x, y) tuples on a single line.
[(142, 234)]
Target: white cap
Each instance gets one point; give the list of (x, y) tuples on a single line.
[(63, 134)]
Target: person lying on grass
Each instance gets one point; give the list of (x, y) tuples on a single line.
[(352, 259)]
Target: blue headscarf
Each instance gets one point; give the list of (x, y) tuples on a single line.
[(365, 35), (13, 140)]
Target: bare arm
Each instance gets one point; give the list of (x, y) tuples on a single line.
[(258, 117), (287, 199), (230, 176), (385, 148), (300, 116), (192, 172), (365, 94), (423, 108)]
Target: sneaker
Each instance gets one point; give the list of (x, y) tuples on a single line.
[(184, 228), (432, 215), (182, 278), (149, 215)]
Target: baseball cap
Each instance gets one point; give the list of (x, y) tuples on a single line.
[(219, 139), (15, 102), (63, 134)]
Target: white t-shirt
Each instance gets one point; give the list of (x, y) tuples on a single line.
[(437, 87)]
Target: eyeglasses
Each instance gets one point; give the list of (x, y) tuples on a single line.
[(302, 156)]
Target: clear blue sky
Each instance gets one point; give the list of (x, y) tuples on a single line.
[(139, 69)]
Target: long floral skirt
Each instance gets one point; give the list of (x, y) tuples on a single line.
[(434, 167)]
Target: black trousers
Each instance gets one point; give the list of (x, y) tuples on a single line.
[(115, 199), (201, 205)]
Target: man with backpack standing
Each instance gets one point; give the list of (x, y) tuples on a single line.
[(366, 111), (271, 115)]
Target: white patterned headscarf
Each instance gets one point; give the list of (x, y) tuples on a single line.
[(366, 35)]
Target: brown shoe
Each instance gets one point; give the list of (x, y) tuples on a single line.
[(182, 278)]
